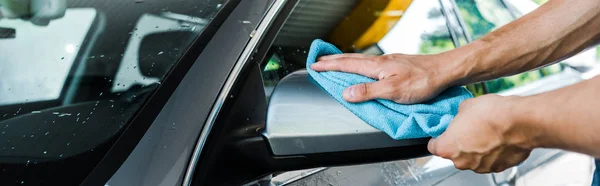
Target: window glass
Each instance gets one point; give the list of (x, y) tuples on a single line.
[(422, 30), (54, 57), (483, 16), (69, 88)]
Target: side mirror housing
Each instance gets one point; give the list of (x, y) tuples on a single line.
[(304, 119)]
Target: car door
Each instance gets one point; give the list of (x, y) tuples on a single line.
[(485, 17), (424, 27), (468, 21)]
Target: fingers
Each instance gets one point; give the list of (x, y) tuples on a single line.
[(368, 91), (349, 55), (444, 146), (357, 65)]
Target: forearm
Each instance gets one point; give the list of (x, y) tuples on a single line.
[(567, 118), (556, 30)]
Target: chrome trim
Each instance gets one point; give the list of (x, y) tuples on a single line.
[(257, 36)]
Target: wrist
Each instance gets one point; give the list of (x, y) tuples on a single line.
[(460, 66), (529, 131)]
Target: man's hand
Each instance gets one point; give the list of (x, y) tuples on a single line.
[(401, 78), (486, 136)]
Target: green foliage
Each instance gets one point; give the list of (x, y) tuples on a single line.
[(475, 23), (476, 89), (598, 53), (434, 46), (540, 1)]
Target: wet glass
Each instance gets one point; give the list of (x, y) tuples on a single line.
[(69, 88)]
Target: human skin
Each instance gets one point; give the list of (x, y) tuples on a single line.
[(492, 133)]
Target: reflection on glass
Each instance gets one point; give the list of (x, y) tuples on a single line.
[(421, 30), (68, 89), (483, 16), (35, 64)]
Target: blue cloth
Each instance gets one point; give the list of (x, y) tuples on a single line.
[(399, 121), (596, 175)]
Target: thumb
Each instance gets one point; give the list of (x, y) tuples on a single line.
[(368, 91), (431, 146)]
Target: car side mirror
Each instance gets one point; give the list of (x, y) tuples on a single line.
[(300, 127), (307, 128), (303, 119)]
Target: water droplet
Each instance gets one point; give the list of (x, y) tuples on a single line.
[(68, 144), (246, 22), (61, 155), (36, 112), (22, 182), (13, 147), (26, 164), (79, 113), (64, 114), (156, 27), (45, 134), (160, 53), (101, 93), (62, 58), (32, 136), (165, 146), (45, 152), (101, 56)]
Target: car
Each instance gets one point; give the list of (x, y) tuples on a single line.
[(213, 92)]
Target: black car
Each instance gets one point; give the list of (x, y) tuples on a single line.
[(213, 92)]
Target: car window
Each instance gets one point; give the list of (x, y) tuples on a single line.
[(69, 88), (421, 29), (483, 16), (55, 55)]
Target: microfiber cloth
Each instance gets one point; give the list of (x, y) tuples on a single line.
[(399, 121)]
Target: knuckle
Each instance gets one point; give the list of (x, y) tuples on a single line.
[(481, 171), (361, 90), (378, 60), (465, 104), (461, 165)]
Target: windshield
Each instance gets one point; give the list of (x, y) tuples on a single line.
[(69, 87)]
